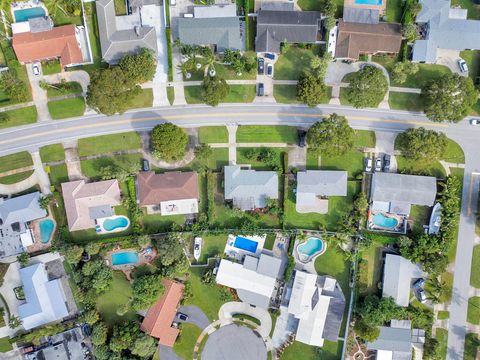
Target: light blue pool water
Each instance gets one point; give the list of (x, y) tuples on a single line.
[(368, 2), (46, 229), (311, 246), (385, 222), (124, 258), (25, 14), (115, 223), (245, 244)]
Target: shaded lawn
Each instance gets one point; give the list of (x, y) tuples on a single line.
[(476, 108), (315, 5), (213, 134), (143, 100), (109, 143), (293, 62), (17, 117), (442, 336), (472, 345), (447, 278), (157, 223), (454, 153), (472, 58), (372, 257), (287, 94), (58, 174), (297, 350), (120, 7), (364, 138), (73, 87), (15, 161), (5, 345), (118, 295), (473, 314), (92, 168), (260, 165), (475, 273), (54, 152), (267, 133), (66, 108), (237, 94), (394, 10), (420, 168), (406, 101), (421, 216), (213, 245), (12, 179), (51, 67), (186, 341), (473, 10)]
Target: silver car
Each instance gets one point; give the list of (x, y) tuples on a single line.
[(378, 164)]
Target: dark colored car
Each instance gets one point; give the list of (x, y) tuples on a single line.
[(261, 68), (270, 56), (145, 165), (419, 283), (386, 163), (182, 316), (302, 136), (261, 89)]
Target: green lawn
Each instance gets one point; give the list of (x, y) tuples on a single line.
[(447, 278), (267, 134), (472, 58), (473, 10), (62, 109), (92, 168), (352, 162), (315, 5), (54, 152), (15, 178), (213, 245), (15, 161), (454, 153), (394, 10), (405, 101), (51, 67), (269, 241), (475, 273), (223, 71), (186, 341), (237, 94), (5, 345), (157, 223), (93, 34), (120, 7), (118, 295), (442, 337), (364, 138), (472, 345), (420, 216), (23, 116), (443, 315), (58, 174), (287, 94), (71, 87), (109, 143), (259, 165), (473, 314), (333, 263), (143, 100), (212, 134), (297, 350), (293, 62), (170, 94), (420, 168)]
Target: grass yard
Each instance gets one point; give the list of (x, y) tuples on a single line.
[(473, 10), (394, 11), (92, 168), (23, 116), (15, 178), (315, 5), (267, 134), (333, 263), (420, 216), (51, 67), (260, 165), (297, 350), (213, 134), (473, 314), (364, 138), (371, 257), (352, 162), (293, 62), (223, 71), (54, 152), (443, 315), (109, 143), (237, 94), (5, 345), (472, 345), (213, 245), (442, 336), (120, 7), (15, 161), (472, 58), (58, 174), (71, 87), (287, 94), (420, 168), (118, 295), (454, 153), (67, 108), (93, 34), (269, 241), (170, 94), (405, 101), (157, 223), (186, 341), (143, 100), (447, 278), (475, 272)]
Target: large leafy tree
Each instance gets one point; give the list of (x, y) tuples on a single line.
[(99, 334), (401, 70), (329, 8), (13, 87), (332, 136), (310, 89), (214, 90), (146, 290), (73, 254), (139, 68), (168, 142), (123, 336), (170, 249), (98, 275), (144, 346), (367, 88), (422, 144), (449, 98)]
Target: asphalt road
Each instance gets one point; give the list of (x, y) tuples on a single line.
[(30, 137)]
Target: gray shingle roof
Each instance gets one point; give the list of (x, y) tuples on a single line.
[(358, 15), (224, 32), (322, 182), (397, 340), (117, 43), (22, 209), (274, 27), (215, 11)]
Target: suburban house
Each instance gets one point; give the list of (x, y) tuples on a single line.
[(398, 276), (63, 346), (170, 193), (45, 299), (249, 189), (87, 202), (275, 27), (397, 341), (122, 35), (42, 42), (318, 303), (255, 280), (442, 27), (360, 32), (213, 25), (159, 318), (15, 216), (315, 186)]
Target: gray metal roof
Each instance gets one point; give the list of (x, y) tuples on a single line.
[(102, 211), (322, 182), (224, 32), (117, 43), (40, 24), (445, 30), (401, 188), (274, 27), (397, 340), (269, 266), (215, 11), (336, 308), (249, 188), (22, 209), (359, 15)]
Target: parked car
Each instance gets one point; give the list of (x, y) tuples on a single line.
[(182, 316), (302, 136), (368, 164), (378, 164), (173, 2), (270, 56), (36, 69), (463, 66), (261, 69), (419, 283), (475, 121), (386, 163), (421, 296), (145, 165), (270, 70), (261, 89)]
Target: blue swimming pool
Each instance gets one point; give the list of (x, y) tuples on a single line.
[(311, 246), (245, 244), (46, 229), (125, 258), (385, 222), (25, 14), (368, 2), (115, 223)]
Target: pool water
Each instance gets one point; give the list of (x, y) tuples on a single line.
[(46, 229), (245, 244), (115, 223), (124, 258), (311, 246), (25, 14), (368, 2), (385, 222)]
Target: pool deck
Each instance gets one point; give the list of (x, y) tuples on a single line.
[(382, 8), (143, 259), (35, 227)]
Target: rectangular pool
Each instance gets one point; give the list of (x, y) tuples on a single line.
[(368, 2), (246, 244), (30, 13), (125, 258)]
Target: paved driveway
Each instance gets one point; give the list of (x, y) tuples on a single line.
[(195, 316), (229, 309), (450, 58), (167, 353)]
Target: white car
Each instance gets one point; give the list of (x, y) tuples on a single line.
[(463, 66), (36, 69), (368, 164), (378, 165), (475, 121)]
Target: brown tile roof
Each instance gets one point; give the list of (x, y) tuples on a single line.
[(159, 317), (60, 42), (155, 188), (355, 39)]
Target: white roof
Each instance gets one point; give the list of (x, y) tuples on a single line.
[(26, 238), (310, 329), (384, 355), (304, 287), (178, 207), (215, 11), (20, 27), (45, 300)]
